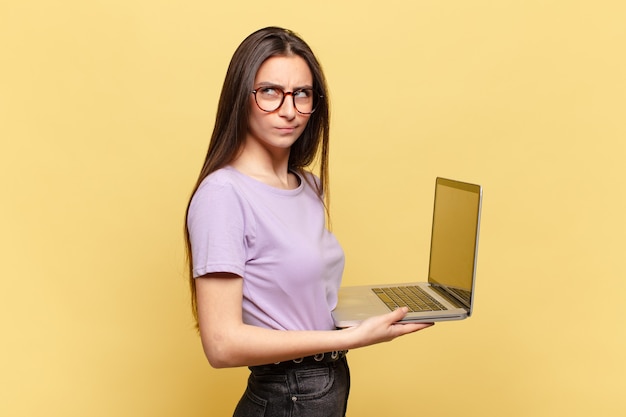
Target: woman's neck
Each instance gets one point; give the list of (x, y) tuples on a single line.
[(269, 168)]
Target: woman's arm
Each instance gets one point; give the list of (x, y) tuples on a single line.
[(228, 342)]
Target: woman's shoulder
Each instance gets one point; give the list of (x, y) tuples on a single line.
[(309, 175), (220, 190), (218, 183), (222, 177), (311, 179)]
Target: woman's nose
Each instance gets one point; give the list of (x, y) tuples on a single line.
[(287, 109)]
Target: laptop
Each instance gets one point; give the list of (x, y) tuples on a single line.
[(449, 292)]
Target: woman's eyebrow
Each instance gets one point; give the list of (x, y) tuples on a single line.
[(270, 84)]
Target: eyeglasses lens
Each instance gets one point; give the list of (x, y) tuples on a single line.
[(270, 99)]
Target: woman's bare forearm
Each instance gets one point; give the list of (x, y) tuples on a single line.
[(228, 342), (245, 345)]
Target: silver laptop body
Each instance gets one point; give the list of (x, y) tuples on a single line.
[(451, 272)]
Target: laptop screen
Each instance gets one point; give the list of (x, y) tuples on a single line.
[(454, 240)]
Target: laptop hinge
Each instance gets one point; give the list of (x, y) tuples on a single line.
[(449, 296)]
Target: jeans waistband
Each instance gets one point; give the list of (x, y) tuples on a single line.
[(327, 357)]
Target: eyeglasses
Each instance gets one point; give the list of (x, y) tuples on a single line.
[(269, 99)]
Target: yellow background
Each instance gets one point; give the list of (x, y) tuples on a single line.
[(106, 108)]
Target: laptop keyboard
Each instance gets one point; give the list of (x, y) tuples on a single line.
[(413, 297)]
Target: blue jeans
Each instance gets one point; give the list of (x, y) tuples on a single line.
[(296, 390)]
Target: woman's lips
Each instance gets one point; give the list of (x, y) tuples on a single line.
[(286, 129)]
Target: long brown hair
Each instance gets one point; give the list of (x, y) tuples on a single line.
[(231, 121)]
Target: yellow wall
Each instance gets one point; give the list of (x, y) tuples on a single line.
[(105, 112)]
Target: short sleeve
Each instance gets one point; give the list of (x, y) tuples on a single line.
[(217, 229)]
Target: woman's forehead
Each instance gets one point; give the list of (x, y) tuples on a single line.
[(285, 71)]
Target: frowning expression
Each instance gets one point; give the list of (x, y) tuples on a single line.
[(279, 129)]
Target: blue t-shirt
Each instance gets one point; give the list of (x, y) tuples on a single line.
[(276, 240)]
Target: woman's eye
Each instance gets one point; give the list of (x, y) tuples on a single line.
[(269, 91), (302, 93)]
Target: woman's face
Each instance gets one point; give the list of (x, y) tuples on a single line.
[(279, 129)]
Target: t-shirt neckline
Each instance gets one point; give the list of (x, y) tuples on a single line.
[(261, 184)]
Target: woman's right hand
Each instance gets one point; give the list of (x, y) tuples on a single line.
[(384, 328)]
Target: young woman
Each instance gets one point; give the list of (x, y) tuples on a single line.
[(264, 268)]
